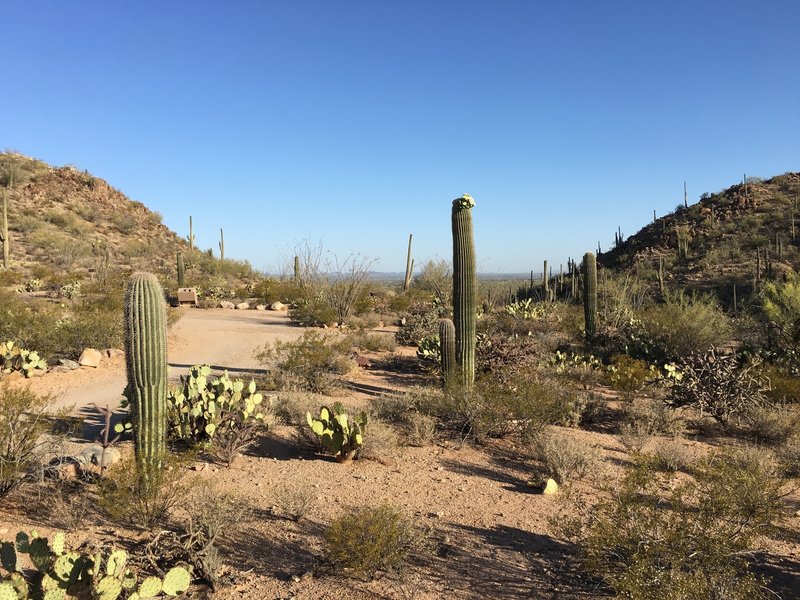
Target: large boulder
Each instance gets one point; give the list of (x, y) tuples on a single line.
[(90, 357)]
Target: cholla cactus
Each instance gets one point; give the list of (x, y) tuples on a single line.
[(340, 435)]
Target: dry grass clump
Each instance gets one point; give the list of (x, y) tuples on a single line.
[(293, 501), (23, 420), (562, 456)]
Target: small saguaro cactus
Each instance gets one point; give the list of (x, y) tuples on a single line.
[(447, 338), (590, 294), (465, 313), (146, 365), (221, 244), (297, 269), (181, 271)]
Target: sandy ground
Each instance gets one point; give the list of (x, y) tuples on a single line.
[(224, 339)]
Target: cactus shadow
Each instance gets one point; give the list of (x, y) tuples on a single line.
[(280, 555)]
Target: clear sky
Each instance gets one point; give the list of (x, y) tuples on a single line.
[(356, 122)]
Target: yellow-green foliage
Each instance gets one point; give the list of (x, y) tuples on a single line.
[(656, 538), (781, 304), (371, 539)]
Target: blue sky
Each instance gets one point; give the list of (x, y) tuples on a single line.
[(355, 123)]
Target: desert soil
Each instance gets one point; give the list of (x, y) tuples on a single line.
[(490, 535)]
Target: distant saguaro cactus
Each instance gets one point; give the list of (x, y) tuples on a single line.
[(409, 265), (465, 312), (181, 271), (590, 294), (297, 269), (447, 337), (221, 244), (146, 365), (4, 231), (190, 237)]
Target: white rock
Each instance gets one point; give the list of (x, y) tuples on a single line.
[(277, 306)]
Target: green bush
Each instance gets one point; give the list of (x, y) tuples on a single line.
[(371, 539), (418, 322), (561, 456), (682, 325), (314, 362), (628, 375), (657, 539), (781, 305)]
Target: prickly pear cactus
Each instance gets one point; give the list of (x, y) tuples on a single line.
[(203, 406), (341, 436), (15, 358), (70, 575)]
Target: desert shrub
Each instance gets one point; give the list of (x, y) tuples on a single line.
[(493, 408), (582, 369), (418, 322), (205, 515), (782, 386), (221, 414), (666, 456), (372, 342), (772, 424), (67, 504), (312, 311), (314, 362), (270, 290), (561, 456), (507, 357), (781, 306), (643, 418), (381, 443), (416, 428), (94, 322), (682, 325), (23, 419), (436, 278), (371, 539), (687, 540), (722, 386), (125, 500)]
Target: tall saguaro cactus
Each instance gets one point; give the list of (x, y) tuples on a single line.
[(221, 244), (146, 364), (4, 231), (447, 337), (465, 312), (181, 271), (590, 294)]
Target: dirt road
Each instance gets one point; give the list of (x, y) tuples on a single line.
[(225, 339)]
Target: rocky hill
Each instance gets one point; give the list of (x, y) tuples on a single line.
[(748, 231), (68, 224)]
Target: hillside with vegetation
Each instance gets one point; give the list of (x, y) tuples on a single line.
[(67, 225), (741, 235)]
